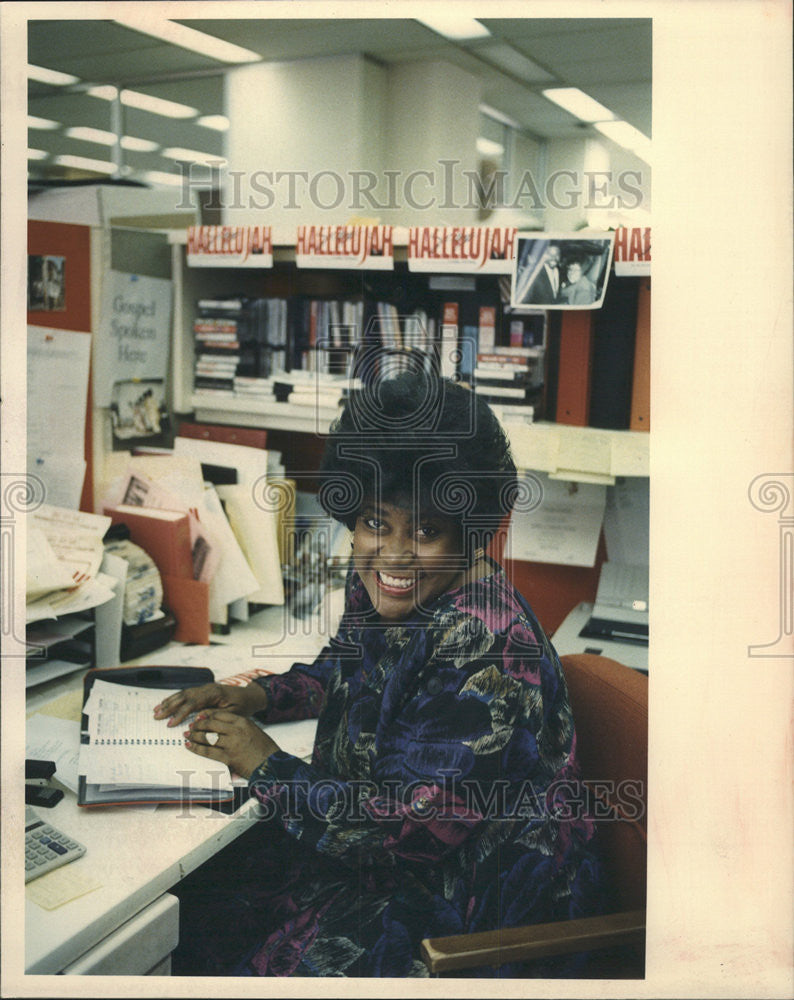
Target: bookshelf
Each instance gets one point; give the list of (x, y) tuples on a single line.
[(577, 453)]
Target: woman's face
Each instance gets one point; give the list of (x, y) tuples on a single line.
[(405, 560)]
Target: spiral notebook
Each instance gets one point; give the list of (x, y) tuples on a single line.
[(128, 756)]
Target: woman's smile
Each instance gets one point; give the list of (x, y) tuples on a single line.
[(395, 584), (405, 560)]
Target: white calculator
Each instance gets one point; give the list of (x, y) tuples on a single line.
[(46, 847)]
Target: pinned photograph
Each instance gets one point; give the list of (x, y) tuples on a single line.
[(561, 272), (138, 410), (46, 283)]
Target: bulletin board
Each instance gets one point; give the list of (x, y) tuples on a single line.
[(60, 253)]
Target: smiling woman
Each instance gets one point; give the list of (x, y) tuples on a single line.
[(442, 792), (421, 472)]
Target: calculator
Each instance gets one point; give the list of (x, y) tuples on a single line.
[(46, 847)]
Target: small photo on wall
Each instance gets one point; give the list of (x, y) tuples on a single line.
[(46, 283), (138, 413), (561, 272)]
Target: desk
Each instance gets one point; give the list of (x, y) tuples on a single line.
[(567, 640), (136, 854)]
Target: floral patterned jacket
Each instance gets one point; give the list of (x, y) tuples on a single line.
[(445, 755)]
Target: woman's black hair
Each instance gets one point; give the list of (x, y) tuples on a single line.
[(425, 442)]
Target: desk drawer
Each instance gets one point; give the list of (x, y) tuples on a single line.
[(138, 947)]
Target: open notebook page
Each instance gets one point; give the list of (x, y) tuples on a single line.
[(128, 746)]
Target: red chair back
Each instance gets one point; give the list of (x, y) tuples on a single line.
[(610, 711)]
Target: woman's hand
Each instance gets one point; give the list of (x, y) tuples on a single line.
[(240, 700), (234, 741)]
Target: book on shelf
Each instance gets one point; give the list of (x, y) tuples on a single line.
[(526, 329), (127, 756), (468, 347), (449, 339), (214, 384), (324, 333), (252, 386), (313, 388), (229, 306), (219, 341), (518, 352), (216, 369), (508, 413), (485, 372), (501, 391), (214, 392), (486, 327), (245, 337), (496, 369), (225, 328)]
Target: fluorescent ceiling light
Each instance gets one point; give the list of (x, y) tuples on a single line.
[(498, 116), (136, 145), (52, 76), (512, 61), (487, 147), (105, 92), (156, 105), (37, 154), (161, 177), (189, 38), (98, 135), (85, 163), (627, 136), (193, 156), (579, 104), (220, 123), (454, 27), (44, 124)]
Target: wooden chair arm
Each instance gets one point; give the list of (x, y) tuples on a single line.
[(512, 944)]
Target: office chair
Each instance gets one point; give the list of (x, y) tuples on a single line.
[(610, 710)]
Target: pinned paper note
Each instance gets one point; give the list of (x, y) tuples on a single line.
[(563, 529), (57, 386)]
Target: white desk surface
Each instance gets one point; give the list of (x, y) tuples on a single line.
[(137, 853), (567, 640)]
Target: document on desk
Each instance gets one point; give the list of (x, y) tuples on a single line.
[(562, 528), (126, 755)]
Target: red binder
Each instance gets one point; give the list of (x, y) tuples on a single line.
[(641, 379), (576, 356)]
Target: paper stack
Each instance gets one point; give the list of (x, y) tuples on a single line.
[(64, 559)]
